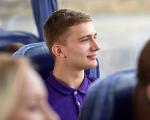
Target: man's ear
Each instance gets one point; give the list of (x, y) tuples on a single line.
[(148, 92), (57, 50)]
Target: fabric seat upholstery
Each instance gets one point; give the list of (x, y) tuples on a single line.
[(9, 37), (111, 98)]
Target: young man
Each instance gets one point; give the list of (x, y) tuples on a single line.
[(71, 38)]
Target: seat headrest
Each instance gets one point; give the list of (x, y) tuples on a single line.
[(111, 98), (8, 37), (125, 83)]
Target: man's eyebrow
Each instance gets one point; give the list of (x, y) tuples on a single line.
[(87, 36)]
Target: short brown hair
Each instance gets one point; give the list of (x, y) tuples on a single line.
[(58, 25), (143, 73)]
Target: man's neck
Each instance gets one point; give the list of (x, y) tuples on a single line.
[(69, 77)]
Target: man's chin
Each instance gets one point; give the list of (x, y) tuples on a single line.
[(93, 65)]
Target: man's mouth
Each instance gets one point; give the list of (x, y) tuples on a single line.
[(92, 57)]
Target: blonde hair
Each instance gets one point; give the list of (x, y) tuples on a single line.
[(9, 85)]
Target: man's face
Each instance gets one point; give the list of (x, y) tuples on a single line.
[(81, 46)]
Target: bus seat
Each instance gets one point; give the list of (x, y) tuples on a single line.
[(41, 10), (8, 37), (111, 98), (40, 56)]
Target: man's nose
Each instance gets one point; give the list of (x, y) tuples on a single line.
[(95, 46)]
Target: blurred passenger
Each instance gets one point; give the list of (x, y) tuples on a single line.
[(22, 93), (13, 47), (71, 38), (142, 92)]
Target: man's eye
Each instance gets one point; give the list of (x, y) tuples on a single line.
[(84, 40)]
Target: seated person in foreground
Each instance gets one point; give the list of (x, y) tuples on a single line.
[(22, 94), (71, 38)]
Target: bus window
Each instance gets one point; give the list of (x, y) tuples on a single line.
[(17, 15)]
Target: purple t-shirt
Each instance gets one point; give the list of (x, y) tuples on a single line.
[(66, 101)]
